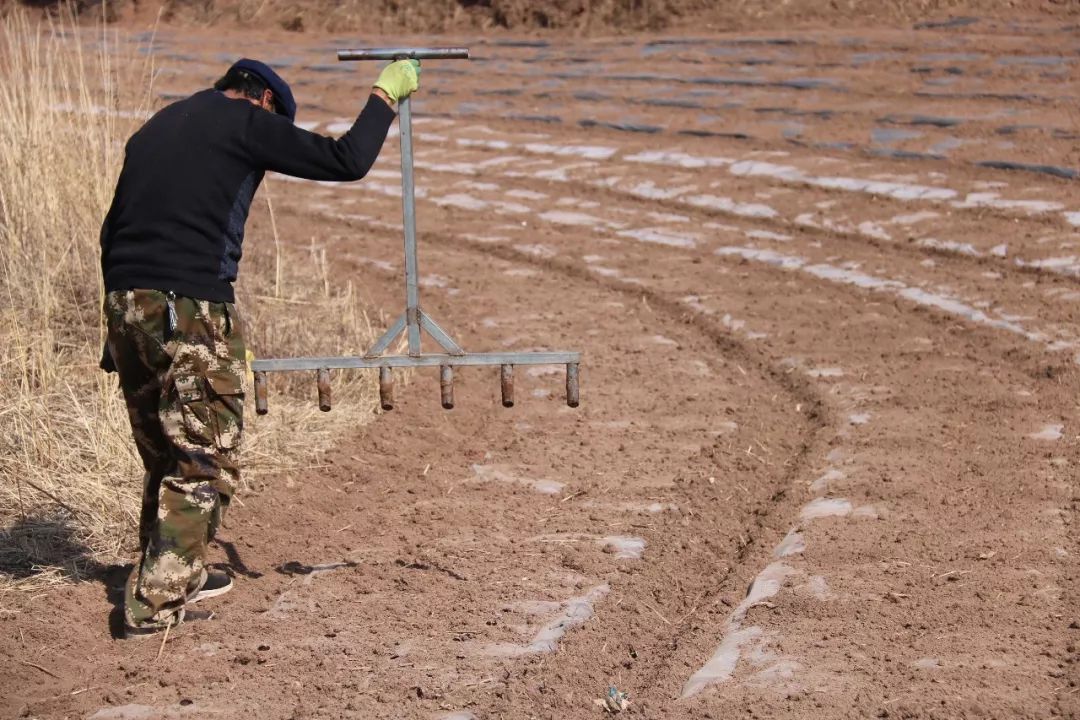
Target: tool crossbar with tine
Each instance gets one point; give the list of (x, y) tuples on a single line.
[(413, 319)]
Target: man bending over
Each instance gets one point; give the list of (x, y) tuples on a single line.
[(170, 251)]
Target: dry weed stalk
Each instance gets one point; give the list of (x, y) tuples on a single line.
[(69, 474)]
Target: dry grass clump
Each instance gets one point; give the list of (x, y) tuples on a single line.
[(69, 474), (68, 471)]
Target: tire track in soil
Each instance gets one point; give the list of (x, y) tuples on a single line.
[(657, 671)]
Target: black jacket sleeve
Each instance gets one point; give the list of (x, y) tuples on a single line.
[(276, 144)]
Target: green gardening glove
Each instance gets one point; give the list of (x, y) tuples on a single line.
[(399, 79)]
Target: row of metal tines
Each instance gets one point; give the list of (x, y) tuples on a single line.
[(446, 387)]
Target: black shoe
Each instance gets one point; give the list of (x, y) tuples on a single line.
[(217, 583), (182, 617)]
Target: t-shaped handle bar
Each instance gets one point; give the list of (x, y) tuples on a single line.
[(404, 54)]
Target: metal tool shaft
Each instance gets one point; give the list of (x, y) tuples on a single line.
[(408, 211)]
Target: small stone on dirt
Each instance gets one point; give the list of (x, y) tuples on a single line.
[(615, 702)]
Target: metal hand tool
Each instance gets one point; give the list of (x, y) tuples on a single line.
[(414, 319)]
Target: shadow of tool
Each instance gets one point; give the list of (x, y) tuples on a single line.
[(236, 563), (113, 578), (294, 567)]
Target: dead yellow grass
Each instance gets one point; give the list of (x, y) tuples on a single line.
[(69, 475)]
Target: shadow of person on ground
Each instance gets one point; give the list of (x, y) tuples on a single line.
[(42, 542), (52, 542), (46, 542)]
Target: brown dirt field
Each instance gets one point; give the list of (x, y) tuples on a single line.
[(825, 464)]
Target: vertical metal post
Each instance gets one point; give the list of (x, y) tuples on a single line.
[(408, 208)]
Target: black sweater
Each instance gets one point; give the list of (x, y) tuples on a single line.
[(177, 218)]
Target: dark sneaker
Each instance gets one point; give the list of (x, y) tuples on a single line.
[(183, 617), (217, 583)]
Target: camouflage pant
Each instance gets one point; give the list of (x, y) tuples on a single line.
[(181, 363)]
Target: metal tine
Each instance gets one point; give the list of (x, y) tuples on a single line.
[(261, 405), (506, 376), (573, 393), (446, 385), (322, 379), (386, 388)]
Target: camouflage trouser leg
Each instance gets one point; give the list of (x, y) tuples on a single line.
[(181, 363)]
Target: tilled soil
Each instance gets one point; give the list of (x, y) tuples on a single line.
[(825, 460)]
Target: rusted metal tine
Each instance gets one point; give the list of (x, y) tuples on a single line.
[(506, 376), (386, 388), (323, 381), (446, 384), (261, 405), (573, 393)]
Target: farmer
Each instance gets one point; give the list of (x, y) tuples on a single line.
[(170, 250)]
